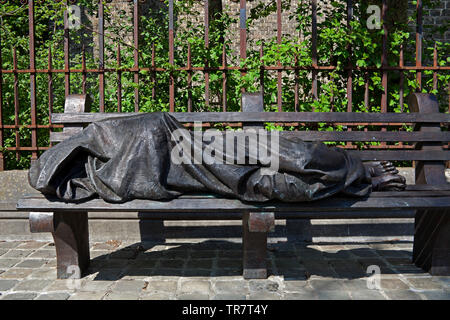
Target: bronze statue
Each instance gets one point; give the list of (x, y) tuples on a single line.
[(133, 158)]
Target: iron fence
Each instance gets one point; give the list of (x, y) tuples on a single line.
[(100, 72)]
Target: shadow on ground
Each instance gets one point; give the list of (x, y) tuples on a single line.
[(215, 258)]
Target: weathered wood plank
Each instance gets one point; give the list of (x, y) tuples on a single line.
[(229, 205), (306, 117), (350, 136)]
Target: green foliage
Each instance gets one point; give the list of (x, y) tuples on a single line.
[(335, 38)]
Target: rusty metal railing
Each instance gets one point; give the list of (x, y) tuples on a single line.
[(315, 68)]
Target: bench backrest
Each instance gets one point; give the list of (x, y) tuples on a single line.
[(426, 144)]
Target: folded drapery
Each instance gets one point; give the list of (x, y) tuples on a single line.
[(132, 158)]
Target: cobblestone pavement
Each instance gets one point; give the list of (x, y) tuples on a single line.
[(212, 270)]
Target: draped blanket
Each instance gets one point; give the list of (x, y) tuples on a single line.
[(131, 158)]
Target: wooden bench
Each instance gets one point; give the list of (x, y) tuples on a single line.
[(429, 196)]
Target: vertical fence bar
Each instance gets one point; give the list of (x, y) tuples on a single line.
[(279, 74), (349, 65), (66, 52), (224, 78), (435, 64), (136, 53), (101, 55), (119, 81), (50, 85), (83, 69), (189, 80), (206, 8), (33, 108), (384, 63), (314, 48), (16, 103), (153, 72), (261, 72), (2, 160), (243, 33), (50, 89), (402, 79), (296, 86), (384, 58), (419, 35), (171, 58)]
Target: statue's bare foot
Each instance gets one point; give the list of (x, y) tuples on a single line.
[(389, 182), (378, 168)]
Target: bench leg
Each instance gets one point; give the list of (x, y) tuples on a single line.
[(71, 236), (432, 241), (256, 225)]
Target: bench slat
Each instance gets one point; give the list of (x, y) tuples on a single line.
[(307, 117), (350, 136), (39, 203)]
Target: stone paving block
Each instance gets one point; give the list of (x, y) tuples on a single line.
[(436, 295), (229, 263), (193, 286), (44, 254), (87, 296), (292, 274), (402, 295), (121, 296), (65, 285), (263, 285), (333, 295), (54, 296), (424, 283), (364, 253), (9, 244), (189, 272), (264, 295), (144, 263), (367, 295), (32, 245), (330, 284), (129, 286), (50, 263), (95, 285), (232, 286), (171, 263), (192, 296), (99, 254), (13, 253), (43, 273), (175, 254), (156, 296), (161, 286), (296, 286), (31, 263), (19, 296), (230, 254), (203, 254), (5, 285), (301, 295), (16, 273), (32, 285), (3, 251), (229, 296), (8, 263), (288, 263), (199, 263), (393, 284)]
